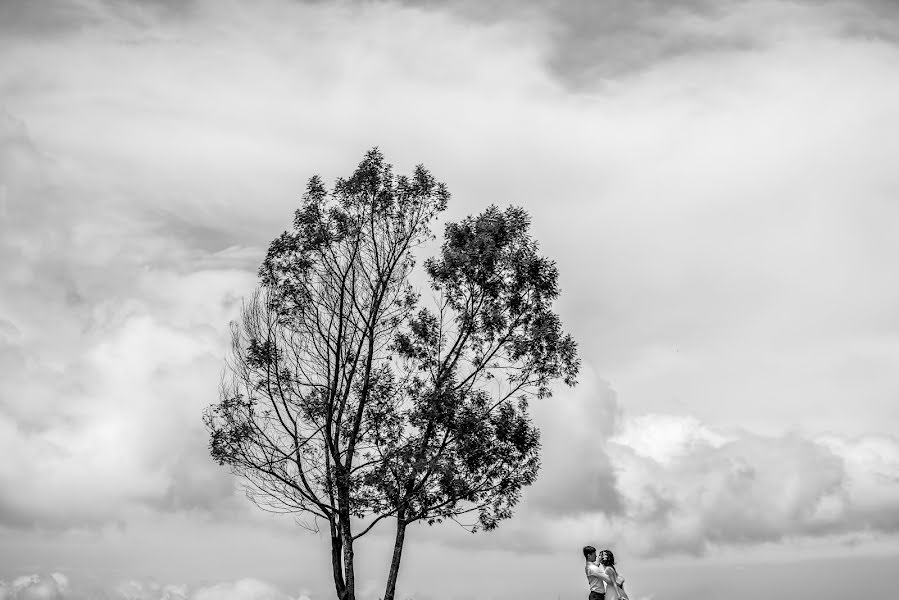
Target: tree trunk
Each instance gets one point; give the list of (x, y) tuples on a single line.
[(349, 576), (397, 556), (337, 560), (346, 534)]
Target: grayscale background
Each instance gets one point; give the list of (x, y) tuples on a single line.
[(717, 181)]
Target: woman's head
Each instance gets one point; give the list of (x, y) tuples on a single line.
[(607, 558)]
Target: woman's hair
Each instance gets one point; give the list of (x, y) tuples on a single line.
[(607, 558)]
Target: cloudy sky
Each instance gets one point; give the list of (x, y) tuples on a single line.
[(716, 180)]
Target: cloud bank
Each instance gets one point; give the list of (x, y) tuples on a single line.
[(654, 484), (706, 490)]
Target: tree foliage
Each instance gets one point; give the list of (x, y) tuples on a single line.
[(353, 396)]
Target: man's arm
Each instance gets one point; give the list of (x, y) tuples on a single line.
[(596, 571)]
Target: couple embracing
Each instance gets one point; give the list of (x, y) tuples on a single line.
[(605, 582)]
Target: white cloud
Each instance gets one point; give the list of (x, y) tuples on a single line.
[(748, 490), (666, 438), (109, 362), (36, 587), (244, 589), (871, 490), (58, 586), (139, 590)]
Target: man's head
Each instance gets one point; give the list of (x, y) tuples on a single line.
[(590, 553)]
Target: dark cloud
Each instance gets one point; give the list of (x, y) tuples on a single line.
[(596, 40), (196, 485), (590, 41), (576, 475), (51, 18), (873, 20)]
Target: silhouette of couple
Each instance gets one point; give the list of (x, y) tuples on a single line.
[(604, 581)]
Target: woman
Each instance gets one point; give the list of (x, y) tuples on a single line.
[(615, 583)]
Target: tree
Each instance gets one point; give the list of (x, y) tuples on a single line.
[(351, 399)]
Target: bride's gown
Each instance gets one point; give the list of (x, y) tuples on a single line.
[(612, 590)]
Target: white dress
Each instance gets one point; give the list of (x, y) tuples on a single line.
[(612, 590)]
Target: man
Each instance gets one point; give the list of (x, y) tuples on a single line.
[(596, 575)]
